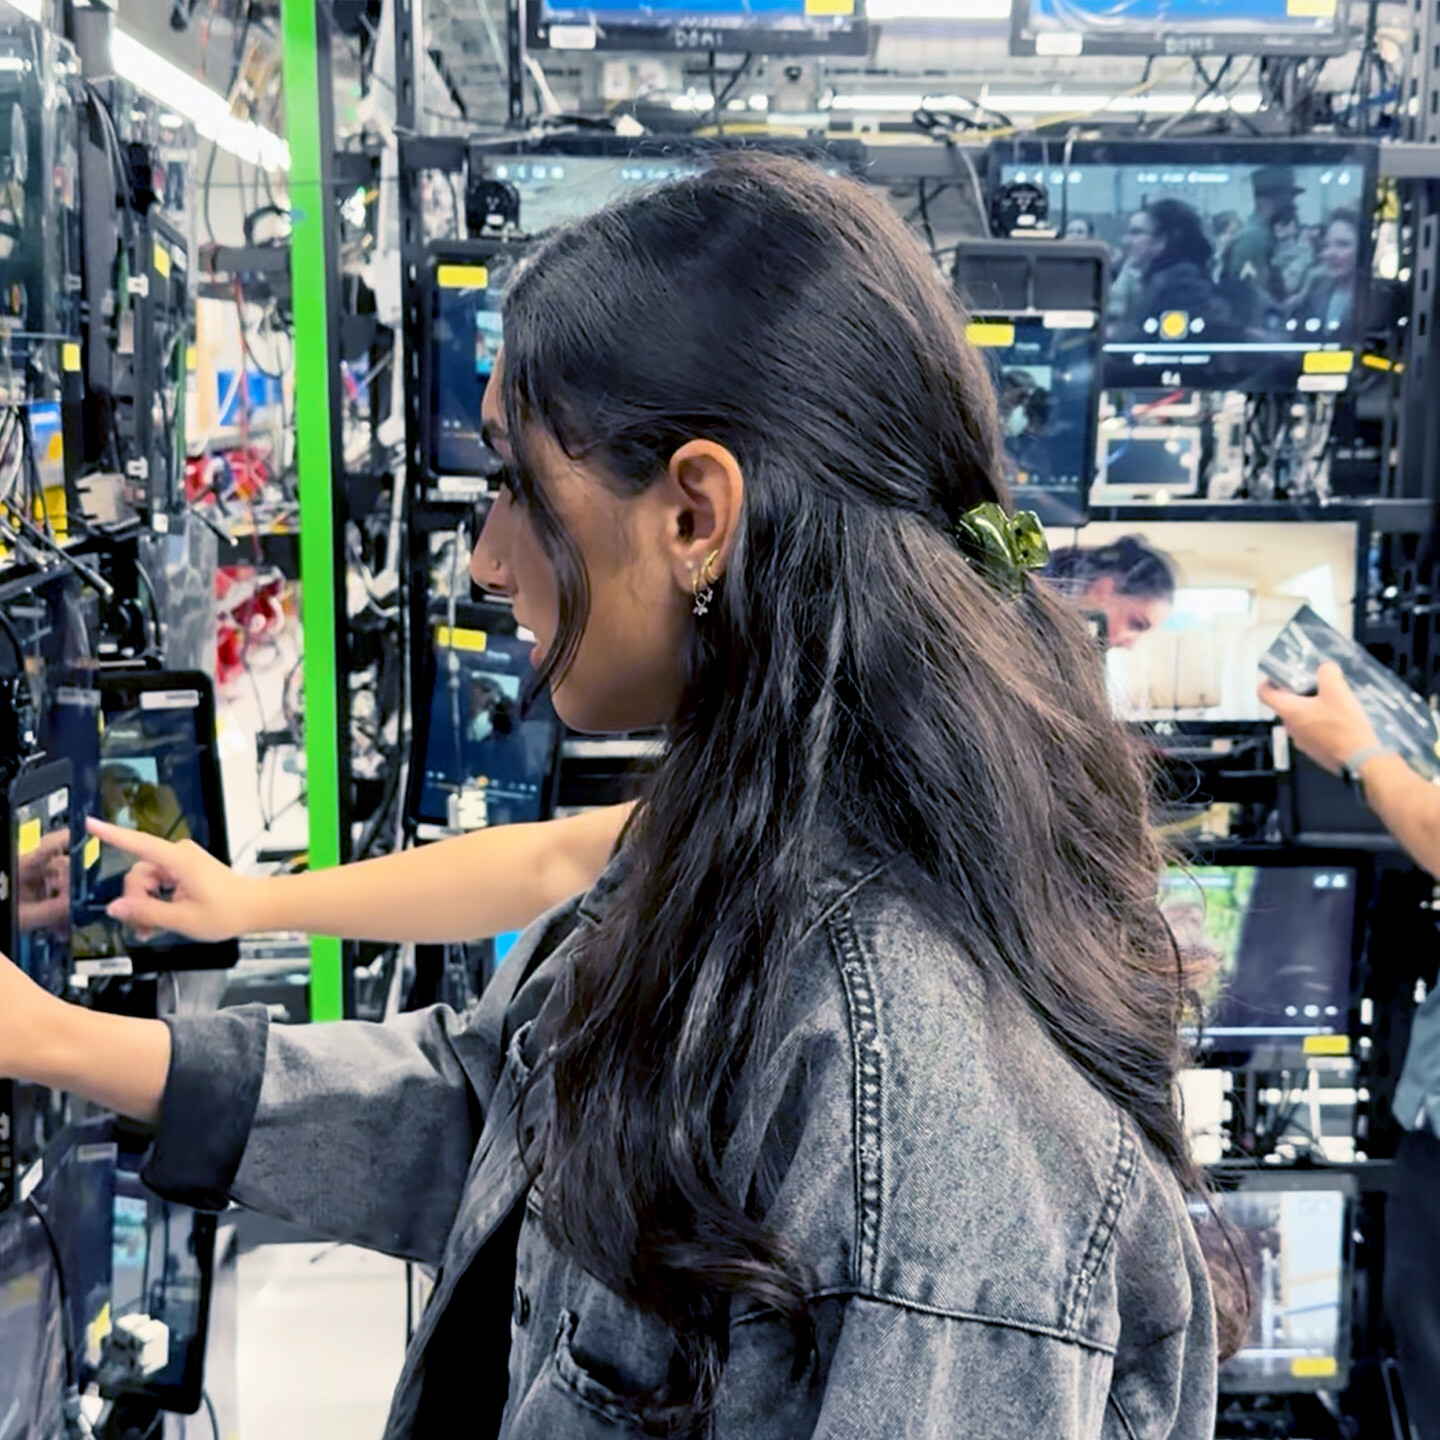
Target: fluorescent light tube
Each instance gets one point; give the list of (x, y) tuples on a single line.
[(205, 108), (884, 103), (937, 10)]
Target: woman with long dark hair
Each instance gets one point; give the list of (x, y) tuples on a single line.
[(1177, 299), (843, 1103), (1129, 583)]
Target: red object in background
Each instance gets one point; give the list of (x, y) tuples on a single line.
[(252, 610)]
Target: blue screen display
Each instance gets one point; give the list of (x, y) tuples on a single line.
[(1103, 18)]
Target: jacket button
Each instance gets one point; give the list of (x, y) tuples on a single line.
[(522, 1306)]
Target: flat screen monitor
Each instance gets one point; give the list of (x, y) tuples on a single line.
[(38, 846), (1142, 464), (1187, 607), (1179, 27), (32, 1332), (1046, 372), (76, 1195), (164, 1266), (751, 27), (1282, 941), (483, 756), (1238, 265), (142, 744), (467, 290), (1292, 1235)]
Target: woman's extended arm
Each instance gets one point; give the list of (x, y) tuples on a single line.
[(463, 888)]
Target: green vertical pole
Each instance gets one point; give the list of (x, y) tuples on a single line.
[(311, 271)]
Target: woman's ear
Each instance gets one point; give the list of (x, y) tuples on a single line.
[(704, 500)]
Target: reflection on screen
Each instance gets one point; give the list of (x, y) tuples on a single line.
[(1280, 938), (557, 188), (32, 1337), (1106, 19), (1224, 273), (158, 1273), (485, 764), (40, 840), (1293, 1245), (465, 339), (149, 777), (77, 1195), (1043, 369)]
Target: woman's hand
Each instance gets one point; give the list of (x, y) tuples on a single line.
[(175, 885)]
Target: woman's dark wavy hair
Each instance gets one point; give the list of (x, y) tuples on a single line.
[(1179, 226), (1137, 567), (855, 677)]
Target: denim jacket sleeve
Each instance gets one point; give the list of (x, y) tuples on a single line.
[(359, 1132)]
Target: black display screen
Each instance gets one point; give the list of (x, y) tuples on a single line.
[(142, 746), (1045, 369), (487, 759), (1281, 938), (1292, 1243), (32, 1333), (1234, 266), (40, 842)]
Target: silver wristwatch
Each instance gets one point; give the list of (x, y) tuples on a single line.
[(1352, 765)]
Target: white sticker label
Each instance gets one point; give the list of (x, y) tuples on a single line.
[(169, 699), (1048, 44), (88, 970), (572, 37), (59, 803), (30, 1181)]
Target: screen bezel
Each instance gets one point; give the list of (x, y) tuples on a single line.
[(493, 618), (1232, 1180), (1164, 41), (1269, 1052), (186, 1397), (115, 687), (700, 37), (438, 254), (37, 783), (1127, 153), (1050, 503)]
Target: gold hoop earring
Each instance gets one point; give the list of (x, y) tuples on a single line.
[(705, 578)]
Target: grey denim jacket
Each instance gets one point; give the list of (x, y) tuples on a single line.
[(998, 1252)]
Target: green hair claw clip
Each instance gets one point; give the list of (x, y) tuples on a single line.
[(1002, 547)]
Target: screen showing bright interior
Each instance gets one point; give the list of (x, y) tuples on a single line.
[(1280, 938), (1293, 1245), (1227, 272), (142, 764), (1188, 607), (32, 1335), (1101, 20), (1044, 371), (40, 843), (485, 762)]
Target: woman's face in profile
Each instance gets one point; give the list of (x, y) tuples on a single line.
[(628, 673), (1128, 618)]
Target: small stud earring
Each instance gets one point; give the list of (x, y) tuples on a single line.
[(704, 583)]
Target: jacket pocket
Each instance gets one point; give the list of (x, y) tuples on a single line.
[(576, 1374)]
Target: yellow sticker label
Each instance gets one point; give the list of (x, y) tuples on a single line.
[(192, 358), (49, 509), (462, 277), (1314, 1367), (1327, 1044), (29, 838), (1311, 9), (829, 7), (1329, 362), (162, 261), (70, 358), (990, 334), (92, 852), (458, 639)]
